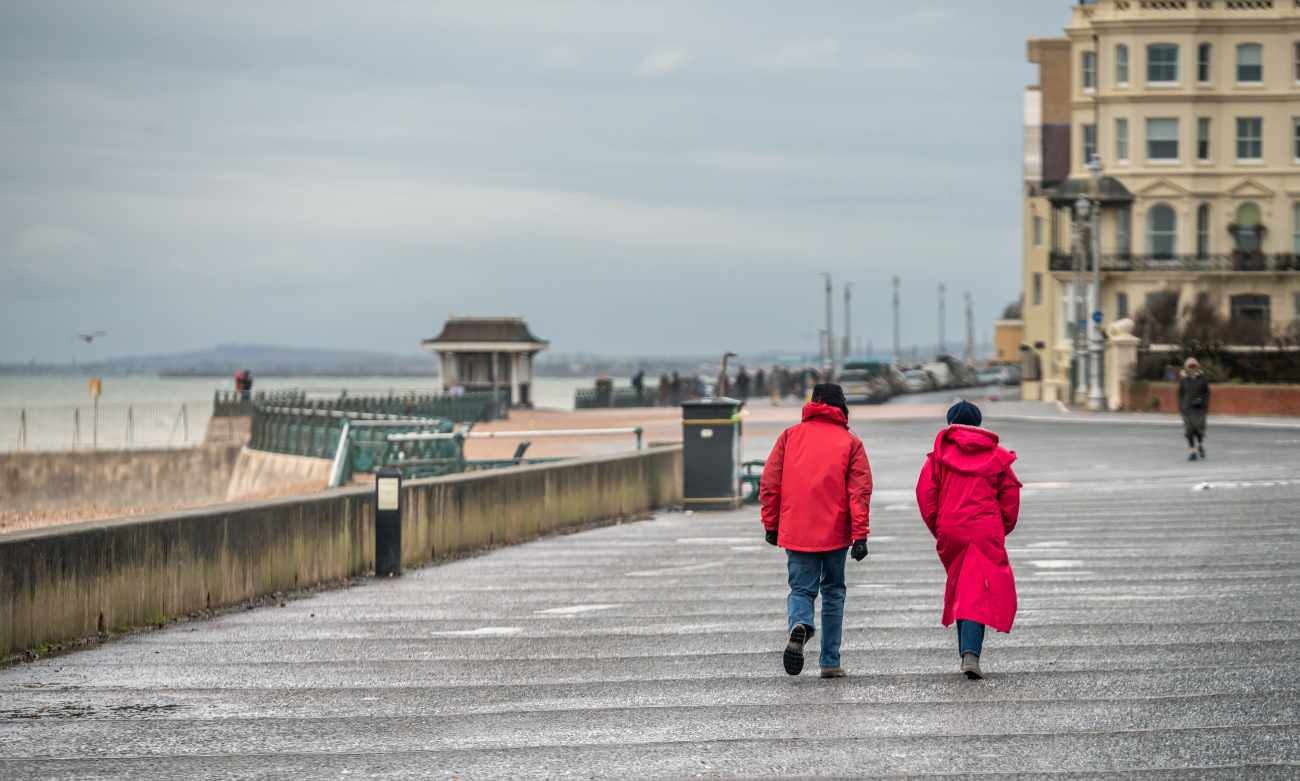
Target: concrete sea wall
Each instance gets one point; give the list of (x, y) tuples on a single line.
[(72, 582), (258, 474), (49, 479)]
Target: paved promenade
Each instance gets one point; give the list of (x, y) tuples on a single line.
[(1159, 629)]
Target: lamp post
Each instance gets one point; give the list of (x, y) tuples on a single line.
[(829, 359), (1082, 207), (1096, 397)]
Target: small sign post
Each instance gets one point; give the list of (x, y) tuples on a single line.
[(388, 522)]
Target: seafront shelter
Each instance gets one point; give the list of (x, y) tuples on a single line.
[(487, 354)]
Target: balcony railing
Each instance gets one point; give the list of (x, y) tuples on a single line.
[(1237, 261)]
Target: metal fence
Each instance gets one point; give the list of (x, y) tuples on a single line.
[(104, 426), (465, 408)]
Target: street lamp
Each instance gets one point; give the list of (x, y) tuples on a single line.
[(1096, 397)]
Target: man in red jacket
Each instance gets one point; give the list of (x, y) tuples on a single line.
[(816, 498)]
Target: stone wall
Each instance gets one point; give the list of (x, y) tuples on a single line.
[(1225, 398), (72, 582), (50, 479)]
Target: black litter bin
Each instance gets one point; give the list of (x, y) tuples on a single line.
[(711, 453)]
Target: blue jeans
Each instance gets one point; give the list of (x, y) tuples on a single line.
[(970, 637), (810, 572)]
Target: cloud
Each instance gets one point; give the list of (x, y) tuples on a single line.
[(560, 56), (804, 54), (43, 241), (663, 61)]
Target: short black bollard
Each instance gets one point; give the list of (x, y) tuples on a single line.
[(388, 521)]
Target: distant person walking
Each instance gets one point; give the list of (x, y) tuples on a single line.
[(665, 389), (1194, 406), (676, 386), (742, 384), (638, 384), (970, 500), (244, 384), (816, 504)]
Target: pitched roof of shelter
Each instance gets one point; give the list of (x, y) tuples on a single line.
[(485, 329)]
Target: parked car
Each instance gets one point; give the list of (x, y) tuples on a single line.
[(862, 388), (917, 381), (989, 376), (1010, 374), (943, 376)]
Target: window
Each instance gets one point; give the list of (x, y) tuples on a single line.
[(1124, 231), (1162, 231), (1245, 228), (1251, 316), (1162, 63), (1250, 138), (1203, 138), (1295, 233), (1038, 289), (1250, 63), (1295, 57), (1089, 70), (1038, 231), (1121, 305), (1162, 139), (1089, 142), (1203, 230), (1203, 63), (1121, 139), (1121, 64), (1295, 133)]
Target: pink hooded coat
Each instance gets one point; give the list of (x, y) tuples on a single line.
[(970, 500)]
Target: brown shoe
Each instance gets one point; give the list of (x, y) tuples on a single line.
[(833, 672), (970, 665)]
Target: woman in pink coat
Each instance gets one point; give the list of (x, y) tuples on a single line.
[(970, 500)]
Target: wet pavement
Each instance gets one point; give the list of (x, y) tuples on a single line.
[(1158, 635)]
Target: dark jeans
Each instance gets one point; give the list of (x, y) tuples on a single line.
[(970, 637), (809, 573)]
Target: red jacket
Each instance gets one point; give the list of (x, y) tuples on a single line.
[(970, 500), (816, 486)]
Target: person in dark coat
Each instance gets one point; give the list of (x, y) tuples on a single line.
[(676, 386), (742, 384), (1194, 406), (665, 389)]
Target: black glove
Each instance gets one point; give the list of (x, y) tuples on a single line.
[(770, 537), (859, 550)]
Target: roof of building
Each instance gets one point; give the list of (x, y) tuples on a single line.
[(1113, 191), (460, 330)]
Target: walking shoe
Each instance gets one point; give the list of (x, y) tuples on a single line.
[(970, 665), (1191, 456), (1200, 450), (833, 672), (793, 657)]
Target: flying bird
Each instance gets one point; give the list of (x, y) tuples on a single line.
[(92, 336)]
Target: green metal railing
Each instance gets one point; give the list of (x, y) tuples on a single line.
[(465, 408)]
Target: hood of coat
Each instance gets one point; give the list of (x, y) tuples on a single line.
[(815, 410), (971, 450)]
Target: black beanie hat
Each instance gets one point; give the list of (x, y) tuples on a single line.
[(963, 413), (831, 394)]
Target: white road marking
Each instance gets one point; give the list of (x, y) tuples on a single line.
[(483, 631), (654, 573), (1056, 563), (1050, 544), (713, 540), (573, 610)]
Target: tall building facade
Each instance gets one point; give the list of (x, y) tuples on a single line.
[(1192, 107)]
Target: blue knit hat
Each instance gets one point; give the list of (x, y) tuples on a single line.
[(963, 413)]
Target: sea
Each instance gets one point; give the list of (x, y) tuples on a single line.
[(56, 412)]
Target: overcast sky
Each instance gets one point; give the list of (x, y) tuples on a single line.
[(632, 177)]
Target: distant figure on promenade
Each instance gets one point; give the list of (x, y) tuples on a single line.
[(816, 504), (970, 500), (244, 384), (676, 389), (665, 389), (638, 384), (742, 384), (1194, 406), (775, 381)]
